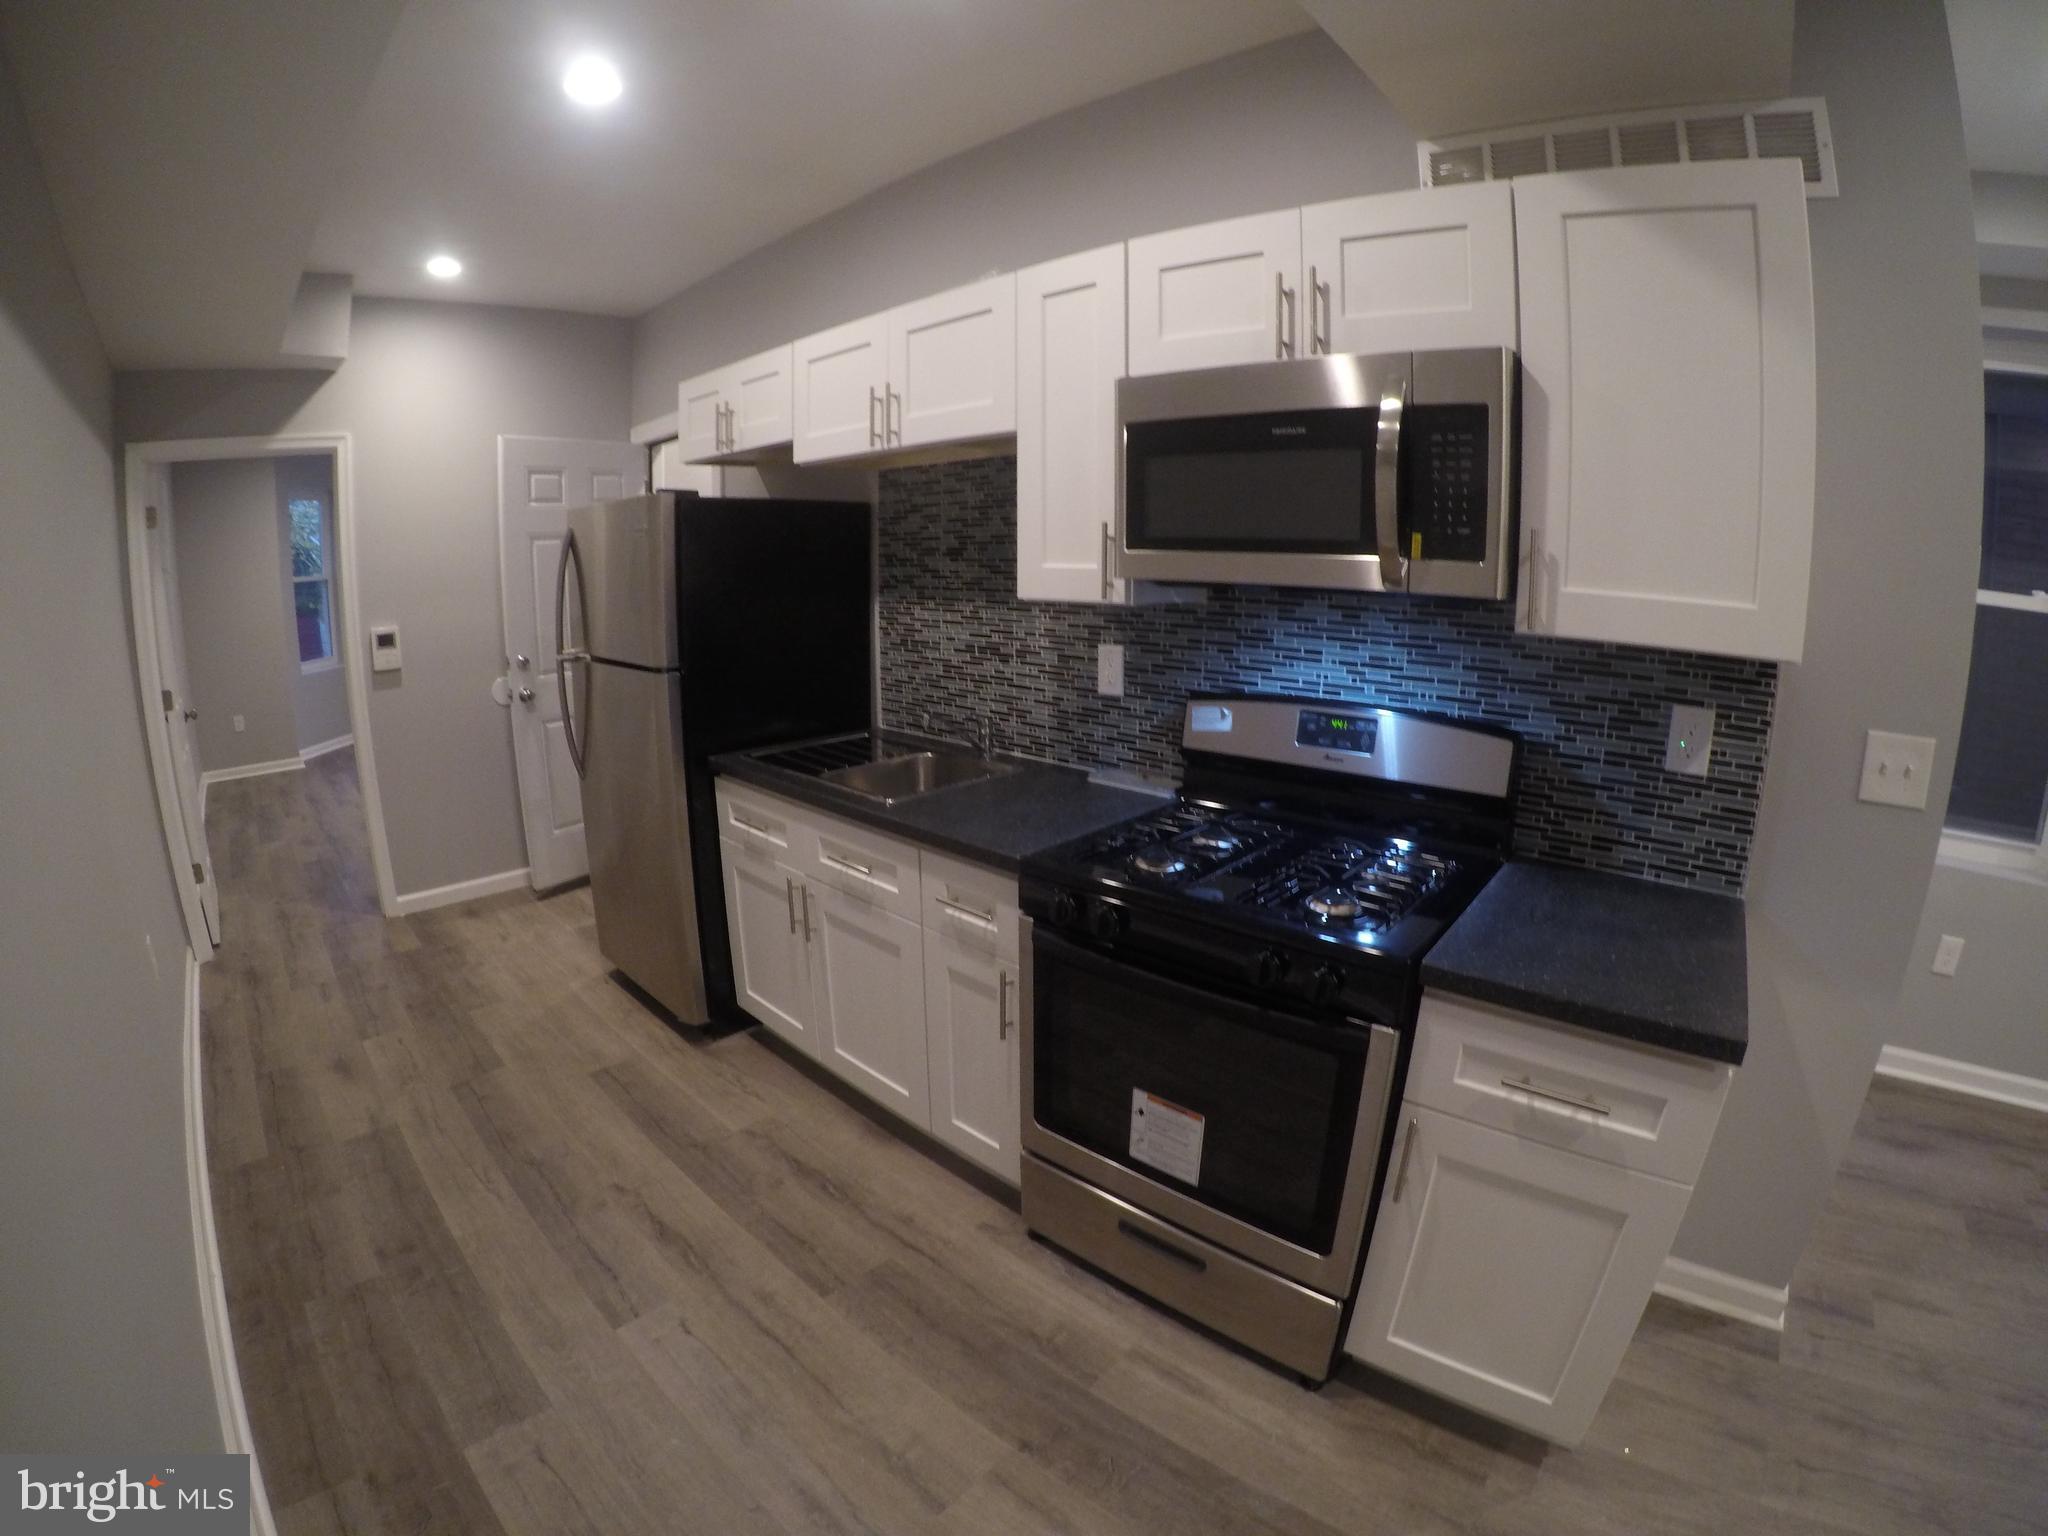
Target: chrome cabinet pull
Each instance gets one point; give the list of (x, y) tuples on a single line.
[(805, 892), (874, 408), (1283, 316), (747, 826), (972, 914), (1319, 339), (1523, 1085), (1314, 337), (1002, 1005), (1407, 1147), (789, 890), (847, 864), (1108, 579), (892, 416)]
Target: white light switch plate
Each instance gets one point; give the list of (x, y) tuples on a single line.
[(1896, 769), (1109, 671), (1691, 743), (1948, 954)]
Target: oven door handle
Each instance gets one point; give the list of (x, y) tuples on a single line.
[(1351, 1039)]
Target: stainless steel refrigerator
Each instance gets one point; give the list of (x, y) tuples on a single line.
[(687, 626)]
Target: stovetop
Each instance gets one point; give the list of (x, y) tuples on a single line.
[(1270, 872)]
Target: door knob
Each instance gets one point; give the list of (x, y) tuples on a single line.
[(191, 714), (522, 662), (526, 695)]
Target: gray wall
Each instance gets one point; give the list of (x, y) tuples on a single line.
[(1293, 122), (101, 1345), (240, 657), (425, 392), (1836, 887), (1994, 1011), (319, 697)]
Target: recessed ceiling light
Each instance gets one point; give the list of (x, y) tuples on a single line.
[(592, 81), (444, 266)]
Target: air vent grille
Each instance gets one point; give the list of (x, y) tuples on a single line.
[(1795, 129)]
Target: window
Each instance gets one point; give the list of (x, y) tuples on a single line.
[(1998, 809), (312, 581)]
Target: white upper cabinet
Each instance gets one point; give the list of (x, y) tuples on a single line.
[(1667, 406), (1216, 294), (1070, 353), (1410, 270), (737, 410), (953, 366), (841, 378)]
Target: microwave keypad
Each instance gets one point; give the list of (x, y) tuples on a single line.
[(1444, 465)]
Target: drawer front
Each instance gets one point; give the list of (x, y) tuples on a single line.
[(1633, 1106), (974, 906), (759, 824), (864, 864)]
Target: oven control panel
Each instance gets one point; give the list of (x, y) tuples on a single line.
[(1336, 731)]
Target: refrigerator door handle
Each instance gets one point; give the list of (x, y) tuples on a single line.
[(565, 655)]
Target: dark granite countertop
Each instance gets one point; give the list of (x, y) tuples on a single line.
[(999, 822), (1651, 963)]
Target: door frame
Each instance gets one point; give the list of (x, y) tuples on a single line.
[(138, 459)]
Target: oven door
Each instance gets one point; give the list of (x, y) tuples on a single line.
[(1258, 1130)]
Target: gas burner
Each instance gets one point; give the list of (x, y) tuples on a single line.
[(1220, 841), (1335, 906), (1160, 860)]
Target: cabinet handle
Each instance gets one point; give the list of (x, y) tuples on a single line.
[(1523, 1085), (1002, 1005), (1407, 1146), (805, 892), (789, 890), (1161, 1246), (1283, 316), (747, 826), (732, 434), (1314, 339), (892, 416), (847, 864), (972, 914), (1318, 302), (874, 408), (1107, 578)]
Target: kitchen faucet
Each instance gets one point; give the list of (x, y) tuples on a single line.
[(981, 730)]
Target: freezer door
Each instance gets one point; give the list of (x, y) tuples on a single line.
[(622, 558), (635, 822)]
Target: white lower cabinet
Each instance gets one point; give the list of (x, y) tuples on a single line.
[(971, 998), (868, 975), (771, 952)]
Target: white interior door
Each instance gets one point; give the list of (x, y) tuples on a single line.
[(539, 480), (175, 702)]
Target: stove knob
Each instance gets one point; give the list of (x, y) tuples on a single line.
[(1325, 985), (1105, 921), (1267, 968), (1065, 910)]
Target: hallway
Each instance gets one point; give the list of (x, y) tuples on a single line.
[(506, 1253)]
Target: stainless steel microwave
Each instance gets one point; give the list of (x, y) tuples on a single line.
[(1380, 473)]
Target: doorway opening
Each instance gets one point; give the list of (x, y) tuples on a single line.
[(288, 641)]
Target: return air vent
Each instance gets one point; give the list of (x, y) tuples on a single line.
[(1795, 129)]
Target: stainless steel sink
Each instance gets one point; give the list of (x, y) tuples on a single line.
[(915, 773)]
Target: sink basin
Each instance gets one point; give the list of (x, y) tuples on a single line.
[(915, 773)]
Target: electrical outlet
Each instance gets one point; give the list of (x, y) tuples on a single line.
[(1109, 671), (237, 722), (1896, 769), (1690, 745), (1948, 954)]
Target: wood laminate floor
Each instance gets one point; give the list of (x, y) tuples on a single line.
[(506, 1254)]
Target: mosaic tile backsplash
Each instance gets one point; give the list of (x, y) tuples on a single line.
[(956, 642)]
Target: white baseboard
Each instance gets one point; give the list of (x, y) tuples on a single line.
[(464, 890), (252, 770), (1962, 1077), (235, 1435), (1725, 1295), (322, 748)]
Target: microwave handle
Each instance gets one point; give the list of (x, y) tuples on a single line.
[(1386, 483)]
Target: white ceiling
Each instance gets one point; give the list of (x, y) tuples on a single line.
[(2001, 49), (742, 120), (188, 146), (1457, 66)]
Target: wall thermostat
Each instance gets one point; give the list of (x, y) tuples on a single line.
[(384, 648)]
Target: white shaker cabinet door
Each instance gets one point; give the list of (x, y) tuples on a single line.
[(868, 972), (971, 1000), (1410, 271), (1668, 406), (760, 399), (771, 961), (841, 377), (1070, 353), (1216, 294), (1507, 1275), (700, 416), (953, 366)]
